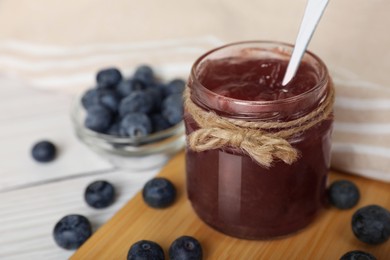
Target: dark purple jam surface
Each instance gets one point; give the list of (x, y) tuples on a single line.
[(255, 79)]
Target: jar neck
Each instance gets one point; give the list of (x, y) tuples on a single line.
[(276, 110)]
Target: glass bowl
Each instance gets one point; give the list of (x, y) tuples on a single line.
[(139, 153)]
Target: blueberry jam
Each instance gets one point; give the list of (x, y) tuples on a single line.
[(228, 189), (255, 79)]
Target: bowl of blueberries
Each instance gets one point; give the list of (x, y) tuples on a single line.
[(134, 122)]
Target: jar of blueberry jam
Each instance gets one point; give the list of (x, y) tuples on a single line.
[(228, 189)]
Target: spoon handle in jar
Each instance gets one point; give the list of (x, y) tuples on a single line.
[(311, 18)]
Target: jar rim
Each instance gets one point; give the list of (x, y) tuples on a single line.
[(266, 105)]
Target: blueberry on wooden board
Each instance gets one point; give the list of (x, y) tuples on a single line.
[(99, 194), (145, 250), (72, 231), (185, 248), (343, 194), (159, 193), (44, 151), (357, 255), (371, 224)]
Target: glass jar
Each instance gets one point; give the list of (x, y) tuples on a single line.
[(233, 193)]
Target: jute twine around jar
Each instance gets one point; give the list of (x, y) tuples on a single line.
[(264, 141)]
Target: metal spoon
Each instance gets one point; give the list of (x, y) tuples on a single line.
[(311, 18)]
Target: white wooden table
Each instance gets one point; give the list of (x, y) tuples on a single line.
[(34, 196), (37, 85)]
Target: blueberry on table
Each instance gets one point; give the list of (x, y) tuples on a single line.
[(72, 231), (44, 151), (357, 255), (108, 78), (145, 250), (135, 125), (343, 194), (185, 248), (99, 194), (138, 101), (172, 108), (175, 86), (371, 224), (125, 87), (98, 118), (144, 74), (159, 193)]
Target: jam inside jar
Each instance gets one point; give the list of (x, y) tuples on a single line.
[(227, 188)]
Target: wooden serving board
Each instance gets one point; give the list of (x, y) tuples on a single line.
[(329, 237)]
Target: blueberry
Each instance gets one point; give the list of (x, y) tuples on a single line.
[(343, 194), (172, 108), (371, 224), (125, 87), (135, 125), (357, 255), (114, 129), (159, 193), (175, 86), (185, 248), (157, 95), (44, 151), (99, 194), (145, 250), (72, 231), (90, 98), (145, 74), (108, 78), (98, 118), (109, 99), (159, 123), (137, 101)]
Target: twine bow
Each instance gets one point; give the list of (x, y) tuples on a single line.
[(253, 138)]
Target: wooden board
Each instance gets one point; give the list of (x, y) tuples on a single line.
[(329, 237)]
